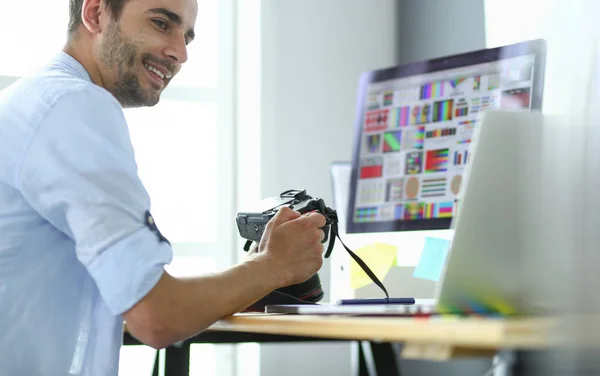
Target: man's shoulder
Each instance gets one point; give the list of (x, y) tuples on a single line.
[(76, 107), (39, 93), (59, 87)]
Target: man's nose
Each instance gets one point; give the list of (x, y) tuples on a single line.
[(177, 50)]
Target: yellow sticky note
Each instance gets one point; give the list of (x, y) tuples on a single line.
[(379, 258)]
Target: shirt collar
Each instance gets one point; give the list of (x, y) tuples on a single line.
[(73, 65)]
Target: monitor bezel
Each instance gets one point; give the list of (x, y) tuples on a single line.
[(533, 47)]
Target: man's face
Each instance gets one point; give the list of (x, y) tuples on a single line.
[(144, 49)]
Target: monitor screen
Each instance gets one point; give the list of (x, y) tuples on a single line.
[(414, 127)]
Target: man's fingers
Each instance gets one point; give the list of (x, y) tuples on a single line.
[(283, 215), (314, 218), (321, 235)]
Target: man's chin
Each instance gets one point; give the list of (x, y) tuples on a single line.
[(152, 104), (153, 94), (153, 99), (150, 98), (147, 102), (133, 95)]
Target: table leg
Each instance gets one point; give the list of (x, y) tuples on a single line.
[(177, 359), (377, 358), (156, 364)]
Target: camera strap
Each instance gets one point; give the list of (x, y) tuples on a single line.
[(359, 261), (333, 224)]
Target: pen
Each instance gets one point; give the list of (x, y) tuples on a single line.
[(377, 301)]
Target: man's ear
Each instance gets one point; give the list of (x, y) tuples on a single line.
[(90, 15)]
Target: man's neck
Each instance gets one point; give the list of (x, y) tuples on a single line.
[(83, 55)]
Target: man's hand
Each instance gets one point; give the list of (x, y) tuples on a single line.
[(292, 244), (290, 252)]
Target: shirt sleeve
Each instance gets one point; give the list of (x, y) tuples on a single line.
[(79, 173)]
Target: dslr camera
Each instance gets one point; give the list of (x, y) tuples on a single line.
[(251, 226)]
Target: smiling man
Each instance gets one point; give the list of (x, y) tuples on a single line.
[(80, 252), (135, 58)]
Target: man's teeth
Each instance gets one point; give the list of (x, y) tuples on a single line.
[(158, 73)]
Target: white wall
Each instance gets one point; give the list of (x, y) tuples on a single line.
[(313, 52)]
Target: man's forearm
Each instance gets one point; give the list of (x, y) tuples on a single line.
[(178, 308)]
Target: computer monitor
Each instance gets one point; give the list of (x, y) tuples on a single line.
[(413, 131)]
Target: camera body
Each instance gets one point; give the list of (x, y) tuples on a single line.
[(251, 226)]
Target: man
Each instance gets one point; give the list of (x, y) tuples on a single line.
[(79, 251)]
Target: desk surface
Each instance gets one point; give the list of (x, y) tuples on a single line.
[(476, 333)]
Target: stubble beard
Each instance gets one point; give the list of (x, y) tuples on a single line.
[(122, 55)]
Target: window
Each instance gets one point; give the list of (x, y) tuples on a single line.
[(185, 145), (512, 21), (27, 43), (176, 150), (571, 35)]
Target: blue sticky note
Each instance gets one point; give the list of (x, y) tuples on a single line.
[(432, 259)]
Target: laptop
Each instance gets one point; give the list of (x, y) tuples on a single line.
[(488, 269)]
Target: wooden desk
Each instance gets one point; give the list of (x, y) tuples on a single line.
[(435, 338), (422, 338)]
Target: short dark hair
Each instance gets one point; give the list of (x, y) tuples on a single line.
[(115, 7)]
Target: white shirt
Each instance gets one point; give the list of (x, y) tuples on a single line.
[(75, 249)]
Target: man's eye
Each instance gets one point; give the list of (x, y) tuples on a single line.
[(160, 23)]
